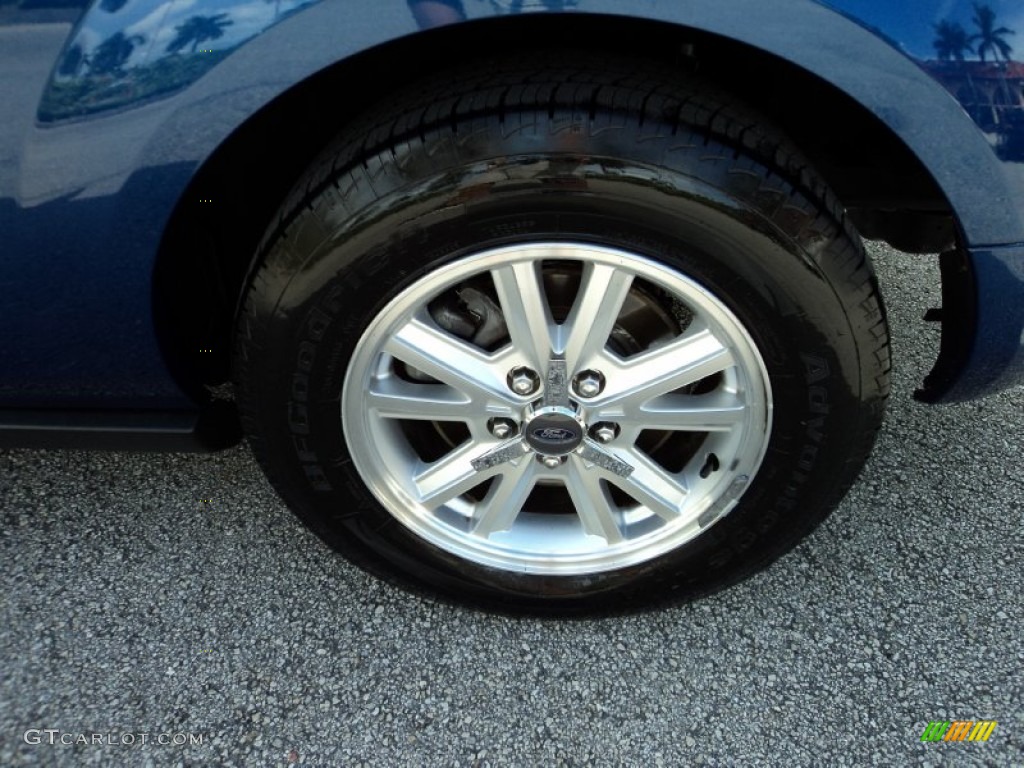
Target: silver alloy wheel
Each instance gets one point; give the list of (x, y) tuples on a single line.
[(683, 415)]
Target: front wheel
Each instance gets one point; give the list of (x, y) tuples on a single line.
[(558, 339), (556, 408)]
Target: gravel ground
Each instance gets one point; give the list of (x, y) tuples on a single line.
[(175, 596)]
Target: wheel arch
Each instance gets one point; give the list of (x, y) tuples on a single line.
[(206, 251)]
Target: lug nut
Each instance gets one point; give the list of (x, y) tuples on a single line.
[(588, 383), (551, 462), (523, 381), (502, 428), (604, 431)]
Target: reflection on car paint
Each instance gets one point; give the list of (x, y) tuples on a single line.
[(993, 95), (127, 53), (968, 47), (990, 88)]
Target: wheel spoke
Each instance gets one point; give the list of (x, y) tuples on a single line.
[(556, 384), (713, 412), (526, 310), (507, 452), (593, 454), (392, 398), (453, 474), (654, 487), (596, 510), (603, 289), (685, 361), (451, 360), (505, 498)]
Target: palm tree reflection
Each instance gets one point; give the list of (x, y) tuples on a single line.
[(198, 29), (111, 55), (951, 41), (120, 70), (991, 87), (990, 37)]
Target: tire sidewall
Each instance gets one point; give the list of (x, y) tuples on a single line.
[(781, 294)]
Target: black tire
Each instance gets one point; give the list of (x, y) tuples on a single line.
[(635, 157)]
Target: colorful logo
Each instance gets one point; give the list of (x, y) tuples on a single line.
[(958, 730)]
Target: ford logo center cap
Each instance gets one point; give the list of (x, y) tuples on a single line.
[(554, 431), (554, 434)]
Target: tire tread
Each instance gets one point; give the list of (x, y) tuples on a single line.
[(678, 122)]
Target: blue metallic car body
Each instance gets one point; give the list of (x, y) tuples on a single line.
[(112, 109)]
